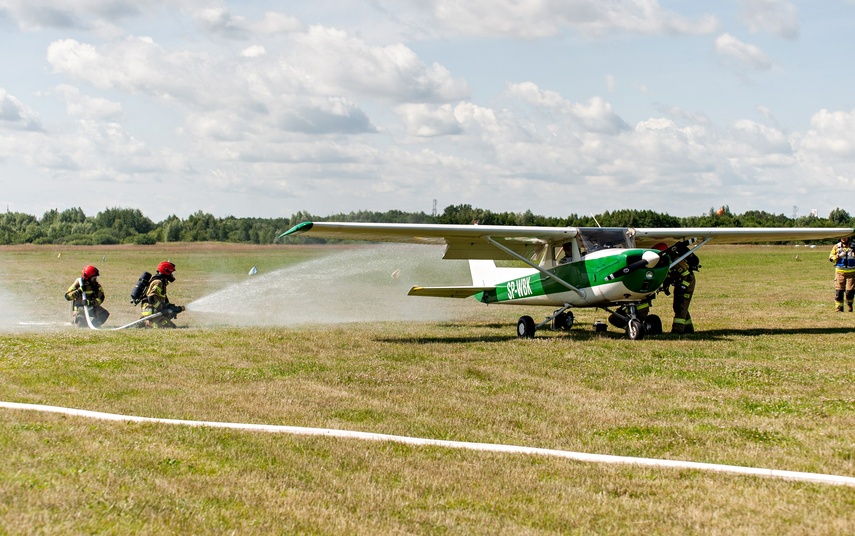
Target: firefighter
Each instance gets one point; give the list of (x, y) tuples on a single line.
[(843, 257), (682, 277), (156, 300), (86, 291)]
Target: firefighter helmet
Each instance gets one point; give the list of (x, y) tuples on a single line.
[(166, 268), (89, 272)]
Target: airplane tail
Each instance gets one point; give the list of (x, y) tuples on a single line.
[(483, 272), (485, 276)]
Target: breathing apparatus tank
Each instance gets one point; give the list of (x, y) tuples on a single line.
[(138, 294)]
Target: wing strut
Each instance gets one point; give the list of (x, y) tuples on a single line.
[(686, 254), (545, 272)]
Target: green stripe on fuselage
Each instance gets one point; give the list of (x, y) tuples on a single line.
[(583, 274)]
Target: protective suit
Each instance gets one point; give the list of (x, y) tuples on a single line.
[(843, 256), (86, 291), (157, 301), (682, 277)]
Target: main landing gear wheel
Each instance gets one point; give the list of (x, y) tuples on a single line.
[(564, 321), (525, 327), (634, 329), (653, 325)]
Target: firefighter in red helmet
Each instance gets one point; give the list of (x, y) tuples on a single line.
[(156, 300), (87, 292)]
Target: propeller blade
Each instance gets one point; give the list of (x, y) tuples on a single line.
[(648, 259)]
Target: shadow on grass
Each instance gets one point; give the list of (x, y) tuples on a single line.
[(715, 334), (590, 335), (446, 340)]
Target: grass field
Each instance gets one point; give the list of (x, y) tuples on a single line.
[(768, 381)]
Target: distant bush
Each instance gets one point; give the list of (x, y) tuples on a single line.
[(105, 237), (143, 240)]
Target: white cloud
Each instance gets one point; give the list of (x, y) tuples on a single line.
[(550, 17), (87, 107), (276, 23), (344, 63), (221, 22), (762, 139), (428, 120), (253, 51), (321, 61), (265, 93), (135, 65), (743, 54), (103, 18), (595, 116), (777, 17), (832, 134), (106, 17), (14, 115)]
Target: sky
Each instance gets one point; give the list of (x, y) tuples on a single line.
[(258, 108)]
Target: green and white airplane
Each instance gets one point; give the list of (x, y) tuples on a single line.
[(611, 268)]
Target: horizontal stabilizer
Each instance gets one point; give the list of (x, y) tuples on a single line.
[(448, 292)]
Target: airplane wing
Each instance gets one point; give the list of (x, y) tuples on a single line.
[(461, 241), (472, 241), (448, 292), (647, 237)]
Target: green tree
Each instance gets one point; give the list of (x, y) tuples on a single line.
[(124, 222), (839, 217)]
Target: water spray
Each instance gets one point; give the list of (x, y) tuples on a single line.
[(364, 284)]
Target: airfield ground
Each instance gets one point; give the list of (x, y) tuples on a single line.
[(768, 381)]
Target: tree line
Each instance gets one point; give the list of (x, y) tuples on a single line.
[(130, 226)]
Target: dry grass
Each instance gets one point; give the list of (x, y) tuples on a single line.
[(768, 382)]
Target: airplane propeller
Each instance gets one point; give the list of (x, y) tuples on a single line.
[(648, 259)]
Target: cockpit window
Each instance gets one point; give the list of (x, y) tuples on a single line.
[(603, 238)]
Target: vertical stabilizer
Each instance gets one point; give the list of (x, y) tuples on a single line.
[(483, 272)]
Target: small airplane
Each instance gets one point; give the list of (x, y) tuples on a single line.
[(611, 268)]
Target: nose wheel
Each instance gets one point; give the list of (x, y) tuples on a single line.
[(634, 329)]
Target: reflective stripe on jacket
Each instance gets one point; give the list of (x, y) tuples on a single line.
[(156, 298), (843, 256), (90, 291)]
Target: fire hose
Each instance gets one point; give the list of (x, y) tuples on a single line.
[(134, 323)]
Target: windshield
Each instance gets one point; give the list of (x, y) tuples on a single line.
[(603, 238)]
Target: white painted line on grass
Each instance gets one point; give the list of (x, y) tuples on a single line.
[(488, 447)]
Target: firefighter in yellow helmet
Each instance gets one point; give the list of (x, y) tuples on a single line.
[(843, 257), (156, 300), (87, 292)]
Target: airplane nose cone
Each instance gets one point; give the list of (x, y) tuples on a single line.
[(651, 257)]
